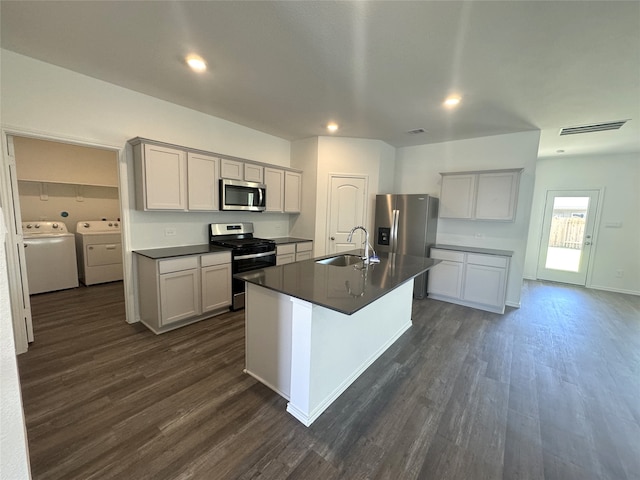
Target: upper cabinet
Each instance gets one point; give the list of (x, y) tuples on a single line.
[(161, 177), (274, 180), (237, 170), (292, 192), (203, 185), (483, 195), (173, 178)]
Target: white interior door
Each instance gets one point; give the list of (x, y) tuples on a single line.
[(347, 208), (16, 259), (567, 236)]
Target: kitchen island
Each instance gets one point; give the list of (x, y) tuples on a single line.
[(312, 329)]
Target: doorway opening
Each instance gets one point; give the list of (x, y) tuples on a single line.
[(65, 185)]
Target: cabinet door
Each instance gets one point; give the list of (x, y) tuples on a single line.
[(216, 287), (485, 284), (292, 192), (231, 169), (303, 256), (286, 258), (253, 173), (179, 296), (497, 195), (446, 279), (202, 174), (274, 180), (165, 178), (457, 194)]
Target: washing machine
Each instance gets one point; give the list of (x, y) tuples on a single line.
[(50, 252), (99, 249)]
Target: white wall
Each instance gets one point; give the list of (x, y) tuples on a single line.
[(615, 248), (418, 171), (14, 459), (44, 99), (351, 156)]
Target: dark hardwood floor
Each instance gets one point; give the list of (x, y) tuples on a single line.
[(547, 391)]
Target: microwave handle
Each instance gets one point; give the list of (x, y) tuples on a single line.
[(261, 196)]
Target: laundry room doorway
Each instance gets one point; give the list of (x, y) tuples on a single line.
[(61, 187)]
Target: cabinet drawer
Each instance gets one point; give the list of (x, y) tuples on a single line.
[(447, 255), (215, 259), (487, 260), (285, 259), (177, 264), (304, 247), (285, 249)]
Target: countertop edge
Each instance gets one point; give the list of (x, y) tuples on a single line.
[(481, 250)]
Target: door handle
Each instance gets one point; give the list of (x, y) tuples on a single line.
[(332, 238)]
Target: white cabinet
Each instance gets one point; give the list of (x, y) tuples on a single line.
[(215, 279), (471, 279), (446, 277), (292, 192), (497, 195), (274, 180), (284, 190), (161, 177), (253, 173), (177, 291), (203, 185), (237, 170), (285, 253), (304, 251), (486, 195), (294, 252), (231, 169), (485, 280)]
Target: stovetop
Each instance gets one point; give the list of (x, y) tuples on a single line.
[(242, 242)]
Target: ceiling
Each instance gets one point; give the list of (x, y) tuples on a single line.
[(378, 69)]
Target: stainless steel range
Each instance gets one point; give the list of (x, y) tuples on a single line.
[(247, 252)]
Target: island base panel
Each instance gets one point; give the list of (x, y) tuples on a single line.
[(328, 350)]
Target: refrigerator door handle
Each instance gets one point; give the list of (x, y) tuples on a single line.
[(394, 231)]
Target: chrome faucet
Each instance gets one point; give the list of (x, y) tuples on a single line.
[(366, 241)]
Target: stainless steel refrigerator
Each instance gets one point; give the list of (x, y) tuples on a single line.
[(406, 224)]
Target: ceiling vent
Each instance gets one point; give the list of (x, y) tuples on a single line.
[(417, 131), (596, 127)]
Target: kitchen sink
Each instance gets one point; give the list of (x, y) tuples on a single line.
[(341, 260)]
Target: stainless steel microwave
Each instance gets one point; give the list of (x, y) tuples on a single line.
[(244, 196)]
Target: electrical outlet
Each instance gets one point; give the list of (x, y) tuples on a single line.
[(169, 232), (619, 273)]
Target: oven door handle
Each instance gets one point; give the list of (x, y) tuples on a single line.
[(254, 255)]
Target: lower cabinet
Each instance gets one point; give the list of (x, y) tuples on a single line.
[(174, 292), (471, 279), (304, 251), (293, 252)]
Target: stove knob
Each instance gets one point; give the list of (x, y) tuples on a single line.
[(110, 224), (85, 225), (115, 224), (55, 225), (29, 226), (37, 225)]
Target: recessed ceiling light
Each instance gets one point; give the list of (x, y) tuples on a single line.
[(196, 62), (452, 101), (332, 127)]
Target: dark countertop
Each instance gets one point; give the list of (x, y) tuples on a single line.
[(166, 252), (485, 251), (343, 289), (285, 240)]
